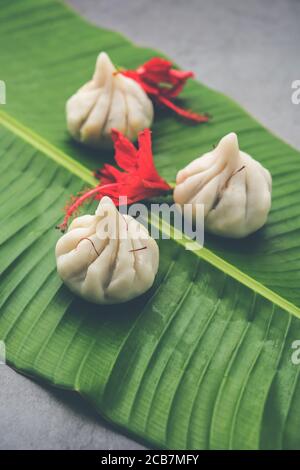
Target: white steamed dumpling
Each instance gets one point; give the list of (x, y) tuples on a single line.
[(234, 189), (108, 101), (108, 257)]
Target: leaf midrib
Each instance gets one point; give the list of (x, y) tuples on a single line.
[(84, 174)]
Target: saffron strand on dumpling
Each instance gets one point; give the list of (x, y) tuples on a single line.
[(234, 189), (107, 257)]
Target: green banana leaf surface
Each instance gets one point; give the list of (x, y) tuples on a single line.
[(202, 360)]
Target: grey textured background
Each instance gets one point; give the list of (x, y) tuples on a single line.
[(248, 49)]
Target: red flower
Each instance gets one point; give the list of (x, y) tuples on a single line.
[(159, 80), (139, 180)]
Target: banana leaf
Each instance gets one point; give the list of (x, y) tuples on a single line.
[(202, 360)]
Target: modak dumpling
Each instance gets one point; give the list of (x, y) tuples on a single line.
[(108, 101), (108, 257), (234, 189)]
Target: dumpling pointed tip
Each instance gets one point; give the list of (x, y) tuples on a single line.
[(231, 138), (103, 57), (104, 201), (229, 141), (104, 63)]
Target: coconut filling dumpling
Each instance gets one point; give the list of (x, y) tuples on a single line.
[(234, 189), (108, 101), (108, 257)]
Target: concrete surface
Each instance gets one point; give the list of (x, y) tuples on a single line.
[(249, 49), (33, 416)]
